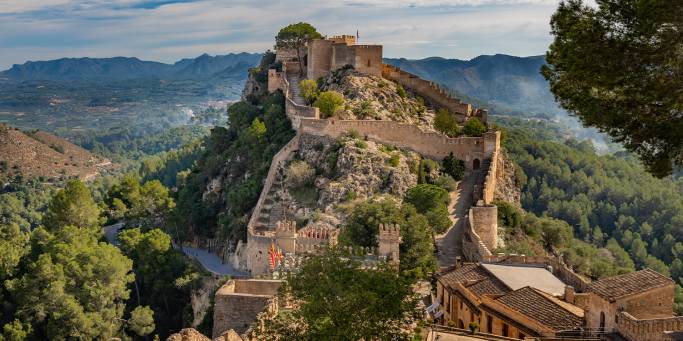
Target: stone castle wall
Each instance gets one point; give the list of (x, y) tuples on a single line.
[(407, 136), (326, 55), (634, 329), (239, 303), (432, 93), (473, 247), (484, 220)]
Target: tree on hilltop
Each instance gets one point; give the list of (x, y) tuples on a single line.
[(618, 66), (295, 36)]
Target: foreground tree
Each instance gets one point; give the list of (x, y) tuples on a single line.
[(619, 68), (73, 206), (163, 281), (336, 299), (296, 36), (74, 286)]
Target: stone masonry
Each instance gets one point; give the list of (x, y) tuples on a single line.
[(327, 55)]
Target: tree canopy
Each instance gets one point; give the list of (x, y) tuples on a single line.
[(73, 206), (619, 68), (328, 102), (295, 37), (338, 299)]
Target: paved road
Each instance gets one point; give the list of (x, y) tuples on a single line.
[(449, 244), (111, 232), (209, 261)]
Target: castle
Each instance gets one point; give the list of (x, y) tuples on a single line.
[(508, 296), (324, 56)]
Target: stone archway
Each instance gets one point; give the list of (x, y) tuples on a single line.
[(476, 164)]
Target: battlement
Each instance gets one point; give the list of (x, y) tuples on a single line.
[(389, 232), (285, 229)]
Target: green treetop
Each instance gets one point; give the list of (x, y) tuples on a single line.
[(296, 36), (619, 67), (73, 206)]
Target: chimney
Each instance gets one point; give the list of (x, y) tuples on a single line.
[(569, 294)]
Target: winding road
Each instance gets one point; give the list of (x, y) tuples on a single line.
[(209, 261)]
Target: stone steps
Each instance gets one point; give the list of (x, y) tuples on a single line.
[(295, 90)]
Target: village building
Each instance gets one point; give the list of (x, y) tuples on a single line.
[(540, 298)]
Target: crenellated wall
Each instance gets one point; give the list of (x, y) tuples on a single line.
[(433, 93), (634, 329), (407, 136)]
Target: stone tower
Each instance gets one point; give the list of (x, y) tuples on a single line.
[(285, 235), (389, 239)]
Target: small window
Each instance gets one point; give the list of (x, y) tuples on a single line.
[(506, 330), (368, 62), (461, 305), (489, 324)]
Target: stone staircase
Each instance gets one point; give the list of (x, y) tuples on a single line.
[(295, 90), (271, 211)]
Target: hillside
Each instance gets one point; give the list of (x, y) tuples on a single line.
[(509, 82), (120, 68), (39, 154)]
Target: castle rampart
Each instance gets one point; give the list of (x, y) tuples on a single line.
[(433, 93), (634, 329), (407, 136)]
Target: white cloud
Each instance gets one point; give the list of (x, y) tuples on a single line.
[(412, 29)]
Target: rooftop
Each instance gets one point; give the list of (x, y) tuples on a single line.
[(628, 284), (517, 277), (541, 308)]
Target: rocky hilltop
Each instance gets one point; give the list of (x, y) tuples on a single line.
[(40, 154)]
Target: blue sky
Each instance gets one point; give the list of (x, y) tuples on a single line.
[(168, 30)]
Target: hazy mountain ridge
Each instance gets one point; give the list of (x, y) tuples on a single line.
[(507, 81), (118, 68)]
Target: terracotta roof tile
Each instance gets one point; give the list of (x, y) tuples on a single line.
[(628, 284), (538, 307), (467, 272), (488, 286)]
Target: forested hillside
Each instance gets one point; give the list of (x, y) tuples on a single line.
[(622, 218)]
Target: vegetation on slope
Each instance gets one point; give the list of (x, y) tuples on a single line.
[(217, 196), (605, 214)]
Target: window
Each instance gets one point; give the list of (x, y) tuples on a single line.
[(461, 325), (460, 304), (521, 336), (602, 321), (506, 330), (489, 324), (368, 62)]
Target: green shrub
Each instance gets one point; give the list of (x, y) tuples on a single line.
[(394, 160), (446, 123), (328, 102), (446, 182), (400, 91), (474, 127), (454, 167), (361, 144), (353, 134), (381, 84), (364, 110), (309, 90), (350, 195)]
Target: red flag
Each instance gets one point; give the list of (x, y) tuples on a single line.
[(272, 254)]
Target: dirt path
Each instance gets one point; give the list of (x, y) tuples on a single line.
[(449, 244)]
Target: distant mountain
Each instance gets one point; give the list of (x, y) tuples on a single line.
[(118, 68), (508, 82), (39, 153)]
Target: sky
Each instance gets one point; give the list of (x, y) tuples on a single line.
[(169, 30)]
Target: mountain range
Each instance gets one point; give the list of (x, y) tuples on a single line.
[(232, 65), (506, 83)]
